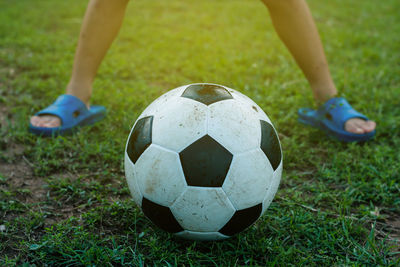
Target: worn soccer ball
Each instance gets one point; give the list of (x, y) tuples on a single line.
[(203, 161)]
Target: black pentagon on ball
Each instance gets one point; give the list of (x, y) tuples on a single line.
[(161, 216), (241, 220), (270, 144), (140, 138), (205, 163), (206, 93)]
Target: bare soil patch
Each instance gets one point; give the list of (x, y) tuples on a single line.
[(16, 171), (394, 233)]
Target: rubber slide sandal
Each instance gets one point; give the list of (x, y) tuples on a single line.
[(73, 114), (331, 118)]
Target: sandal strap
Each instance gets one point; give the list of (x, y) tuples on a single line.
[(68, 108), (337, 110)]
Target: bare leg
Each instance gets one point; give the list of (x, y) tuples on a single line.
[(295, 26), (100, 26)]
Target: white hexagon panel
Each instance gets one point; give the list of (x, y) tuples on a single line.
[(159, 175), (202, 209), (234, 125), (180, 123), (260, 113), (161, 101), (131, 180), (248, 179)]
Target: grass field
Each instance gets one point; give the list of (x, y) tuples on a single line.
[(65, 200)]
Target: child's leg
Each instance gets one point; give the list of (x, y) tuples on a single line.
[(100, 26), (295, 26)]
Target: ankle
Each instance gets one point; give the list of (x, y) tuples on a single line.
[(323, 94), (83, 92), (320, 100)]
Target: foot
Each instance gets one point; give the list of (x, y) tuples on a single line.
[(359, 126), (354, 125), (69, 113), (340, 120), (47, 121)]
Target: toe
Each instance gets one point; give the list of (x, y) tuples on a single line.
[(366, 126), (47, 125), (369, 126), (45, 121), (358, 130), (51, 124), (35, 120), (359, 126), (353, 126)]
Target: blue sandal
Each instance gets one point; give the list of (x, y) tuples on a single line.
[(73, 114), (331, 118)]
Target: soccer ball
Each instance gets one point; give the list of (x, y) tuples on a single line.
[(203, 161)]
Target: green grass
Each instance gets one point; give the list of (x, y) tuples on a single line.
[(65, 200)]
